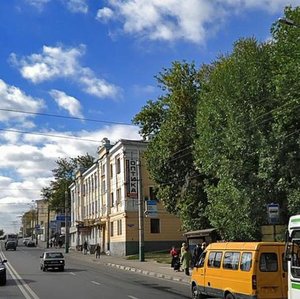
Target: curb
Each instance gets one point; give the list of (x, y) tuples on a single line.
[(149, 273)]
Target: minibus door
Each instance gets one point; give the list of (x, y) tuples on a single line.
[(199, 273), (269, 274)]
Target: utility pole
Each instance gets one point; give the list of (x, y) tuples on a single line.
[(66, 223), (48, 224), (37, 225), (141, 213)]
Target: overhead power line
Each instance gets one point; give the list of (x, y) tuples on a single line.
[(67, 117), (50, 135)]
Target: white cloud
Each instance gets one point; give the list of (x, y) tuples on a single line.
[(12, 98), (39, 4), (71, 104), (59, 62), (104, 14), (26, 164), (77, 6), (170, 20)]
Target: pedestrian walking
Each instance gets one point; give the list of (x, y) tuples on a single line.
[(186, 260), (85, 247), (196, 254), (97, 251), (174, 254)]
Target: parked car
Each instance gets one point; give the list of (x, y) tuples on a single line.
[(10, 245), (2, 272), (52, 259), (25, 241), (30, 243)]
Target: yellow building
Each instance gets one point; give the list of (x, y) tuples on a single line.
[(113, 203)]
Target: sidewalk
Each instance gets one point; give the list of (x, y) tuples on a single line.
[(149, 267)]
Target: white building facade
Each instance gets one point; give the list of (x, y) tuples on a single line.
[(105, 201)]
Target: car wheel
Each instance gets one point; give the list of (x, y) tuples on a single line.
[(62, 268), (44, 268), (195, 293), (229, 296), (3, 280)]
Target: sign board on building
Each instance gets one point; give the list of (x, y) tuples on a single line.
[(132, 178), (151, 209), (53, 224), (62, 217), (273, 213)]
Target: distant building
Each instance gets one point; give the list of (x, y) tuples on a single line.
[(105, 201)]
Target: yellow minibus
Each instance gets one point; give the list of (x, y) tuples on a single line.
[(241, 270)]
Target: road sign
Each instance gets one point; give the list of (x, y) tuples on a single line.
[(273, 213), (62, 218), (151, 209)]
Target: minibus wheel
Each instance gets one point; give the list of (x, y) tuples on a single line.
[(195, 293), (229, 296)]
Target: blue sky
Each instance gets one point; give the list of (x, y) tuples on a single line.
[(97, 60)]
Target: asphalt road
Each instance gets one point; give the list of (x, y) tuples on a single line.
[(79, 280)]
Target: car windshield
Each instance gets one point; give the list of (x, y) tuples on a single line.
[(53, 255)]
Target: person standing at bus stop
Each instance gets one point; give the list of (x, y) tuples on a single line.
[(186, 258)]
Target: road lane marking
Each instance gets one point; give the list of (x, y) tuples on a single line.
[(95, 282), (72, 273), (132, 297), (22, 285)]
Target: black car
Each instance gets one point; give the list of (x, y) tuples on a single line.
[(10, 245), (2, 272), (30, 243), (52, 259)]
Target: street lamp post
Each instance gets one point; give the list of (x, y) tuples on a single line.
[(141, 214), (48, 224), (66, 223)]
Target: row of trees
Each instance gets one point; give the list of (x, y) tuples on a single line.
[(224, 138)]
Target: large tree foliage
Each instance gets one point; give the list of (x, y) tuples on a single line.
[(283, 166), (63, 175), (232, 122), (224, 140), (248, 132), (169, 124)]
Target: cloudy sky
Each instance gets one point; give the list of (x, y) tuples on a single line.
[(75, 71)]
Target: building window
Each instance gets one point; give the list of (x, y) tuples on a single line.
[(152, 193), (118, 195), (111, 229), (154, 226), (112, 199), (111, 170), (96, 182), (103, 187), (119, 228), (118, 165)]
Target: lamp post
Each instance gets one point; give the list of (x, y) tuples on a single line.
[(66, 223), (141, 214), (48, 224)]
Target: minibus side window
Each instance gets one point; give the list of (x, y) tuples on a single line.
[(200, 264), (246, 261), (214, 259), (268, 262), (231, 260)]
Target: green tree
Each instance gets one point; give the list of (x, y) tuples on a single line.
[(282, 168), (169, 125), (63, 177), (1, 232), (232, 123)]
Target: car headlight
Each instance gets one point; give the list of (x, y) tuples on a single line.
[(61, 262)]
